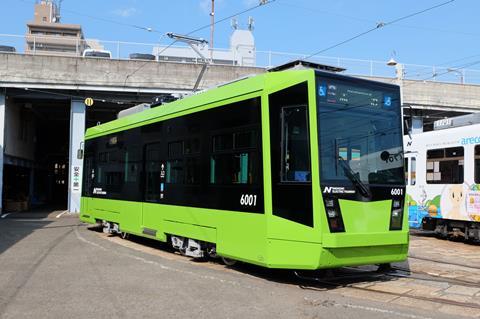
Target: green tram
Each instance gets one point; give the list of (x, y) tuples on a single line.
[(297, 169)]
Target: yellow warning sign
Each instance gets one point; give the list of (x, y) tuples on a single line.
[(88, 101)]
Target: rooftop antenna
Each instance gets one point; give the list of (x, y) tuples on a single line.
[(57, 4), (234, 23), (251, 24)]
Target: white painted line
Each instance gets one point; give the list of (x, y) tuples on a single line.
[(5, 215), (60, 215), (162, 266), (365, 308), (384, 311)]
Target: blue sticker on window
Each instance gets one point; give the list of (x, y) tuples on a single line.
[(162, 187), (387, 101), (322, 90)]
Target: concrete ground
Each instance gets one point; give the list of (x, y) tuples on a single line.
[(56, 268)]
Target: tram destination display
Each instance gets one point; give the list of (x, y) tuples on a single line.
[(346, 95)]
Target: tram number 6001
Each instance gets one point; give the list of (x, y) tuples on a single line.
[(396, 191), (248, 200)]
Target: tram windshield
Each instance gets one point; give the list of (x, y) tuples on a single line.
[(360, 133)]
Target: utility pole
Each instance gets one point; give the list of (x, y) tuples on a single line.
[(212, 28)]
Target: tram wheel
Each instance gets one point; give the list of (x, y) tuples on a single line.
[(228, 261)]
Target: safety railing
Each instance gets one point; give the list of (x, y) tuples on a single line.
[(71, 46)]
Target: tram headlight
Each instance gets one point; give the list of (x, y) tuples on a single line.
[(396, 218), (331, 213), (330, 203), (334, 216), (397, 204)]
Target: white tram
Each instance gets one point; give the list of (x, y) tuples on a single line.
[(443, 177)]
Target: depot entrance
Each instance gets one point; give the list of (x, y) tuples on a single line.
[(36, 152), (37, 143)]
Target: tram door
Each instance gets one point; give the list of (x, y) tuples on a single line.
[(290, 155)]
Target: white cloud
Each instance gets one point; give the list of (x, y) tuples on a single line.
[(206, 5), (125, 12), (251, 3)]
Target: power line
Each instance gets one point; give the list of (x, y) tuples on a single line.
[(135, 26), (455, 68), (418, 74), (354, 18), (461, 59), (379, 26), (261, 3), (149, 29)]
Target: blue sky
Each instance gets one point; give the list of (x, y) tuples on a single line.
[(444, 34)]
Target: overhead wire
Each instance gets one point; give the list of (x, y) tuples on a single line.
[(260, 4), (380, 25), (355, 18), (455, 68), (461, 59), (449, 69), (135, 26)]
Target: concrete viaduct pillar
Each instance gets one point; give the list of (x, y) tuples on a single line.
[(75, 172)]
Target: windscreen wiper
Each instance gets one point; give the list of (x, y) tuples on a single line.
[(354, 178)]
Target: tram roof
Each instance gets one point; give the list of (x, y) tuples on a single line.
[(226, 93)]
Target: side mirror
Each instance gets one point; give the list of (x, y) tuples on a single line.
[(79, 153), (385, 155)]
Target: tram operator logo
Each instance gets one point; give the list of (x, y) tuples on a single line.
[(337, 190)]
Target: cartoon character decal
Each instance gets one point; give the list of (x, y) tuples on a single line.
[(452, 202), (473, 203), (457, 201)]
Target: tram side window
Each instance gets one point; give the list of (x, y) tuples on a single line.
[(234, 158), (175, 170), (183, 164), (295, 149), (117, 165), (110, 175), (445, 165), (131, 161), (477, 164), (153, 162)]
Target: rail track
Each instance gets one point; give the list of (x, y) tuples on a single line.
[(345, 282), (425, 276), (443, 262), (353, 275)]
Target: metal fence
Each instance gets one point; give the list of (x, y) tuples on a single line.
[(122, 50)]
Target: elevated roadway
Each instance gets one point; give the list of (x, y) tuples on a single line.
[(70, 73)]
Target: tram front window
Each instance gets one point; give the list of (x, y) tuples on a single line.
[(359, 133)]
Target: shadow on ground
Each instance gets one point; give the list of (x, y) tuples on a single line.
[(16, 226), (317, 279)]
